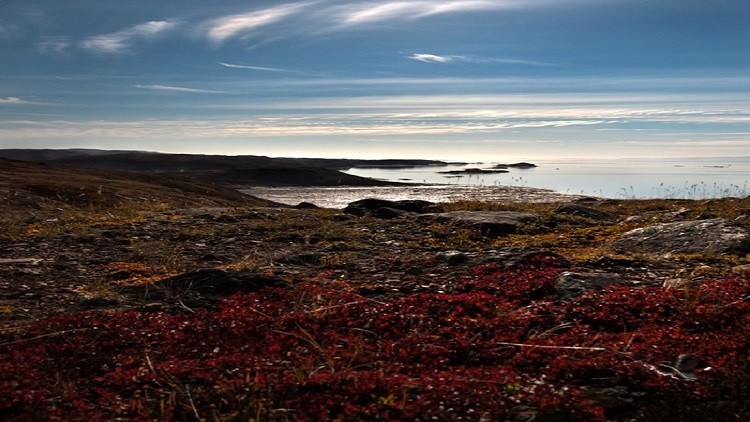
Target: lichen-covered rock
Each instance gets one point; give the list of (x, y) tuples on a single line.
[(715, 235)]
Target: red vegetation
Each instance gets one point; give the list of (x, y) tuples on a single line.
[(502, 346)]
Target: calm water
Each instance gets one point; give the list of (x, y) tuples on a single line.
[(675, 178)]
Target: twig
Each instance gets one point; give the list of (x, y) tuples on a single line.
[(156, 374), (190, 399), (185, 306), (542, 346), (57, 333), (328, 308), (148, 361), (627, 346), (250, 308)]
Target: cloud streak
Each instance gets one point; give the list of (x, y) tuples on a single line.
[(242, 66), (244, 25), (431, 58), (12, 101), (434, 58), (121, 41), (373, 12), (169, 88), (58, 45), (326, 16), (461, 116)]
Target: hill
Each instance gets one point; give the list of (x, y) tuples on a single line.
[(247, 170), (38, 186)]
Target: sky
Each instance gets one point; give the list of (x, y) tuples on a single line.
[(455, 79)]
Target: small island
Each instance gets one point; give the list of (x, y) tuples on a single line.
[(521, 165), (474, 171)]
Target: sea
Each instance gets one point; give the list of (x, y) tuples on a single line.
[(691, 178), (550, 180)]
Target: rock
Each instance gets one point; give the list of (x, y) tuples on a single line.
[(386, 213), (201, 287), (453, 258), (488, 223), (634, 219), (225, 218), (370, 205), (683, 367), (716, 235), (587, 199), (306, 206), (521, 165), (475, 171), (571, 284), (587, 212), (688, 363)]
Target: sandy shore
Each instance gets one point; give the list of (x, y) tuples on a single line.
[(339, 197)]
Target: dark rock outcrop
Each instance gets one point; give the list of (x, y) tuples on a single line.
[(306, 206), (586, 212), (715, 235), (371, 206), (474, 171), (521, 165), (488, 223)]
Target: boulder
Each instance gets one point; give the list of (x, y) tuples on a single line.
[(387, 213), (370, 206), (488, 223), (306, 206), (716, 235), (453, 258), (586, 212), (571, 284)]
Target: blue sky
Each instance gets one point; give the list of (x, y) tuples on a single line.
[(454, 79)]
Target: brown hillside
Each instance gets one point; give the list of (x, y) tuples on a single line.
[(26, 185)]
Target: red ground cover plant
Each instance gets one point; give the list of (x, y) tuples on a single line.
[(503, 346)]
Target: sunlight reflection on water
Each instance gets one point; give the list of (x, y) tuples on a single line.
[(339, 197)]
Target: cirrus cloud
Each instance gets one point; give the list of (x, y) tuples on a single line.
[(431, 58), (120, 41), (54, 45), (245, 24), (169, 88), (434, 58)]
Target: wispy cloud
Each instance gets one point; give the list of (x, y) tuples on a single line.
[(372, 12), (121, 41), (177, 89), (431, 58), (248, 67), (12, 101), (245, 24), (434, 58), (322, 16), (54, 45)]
